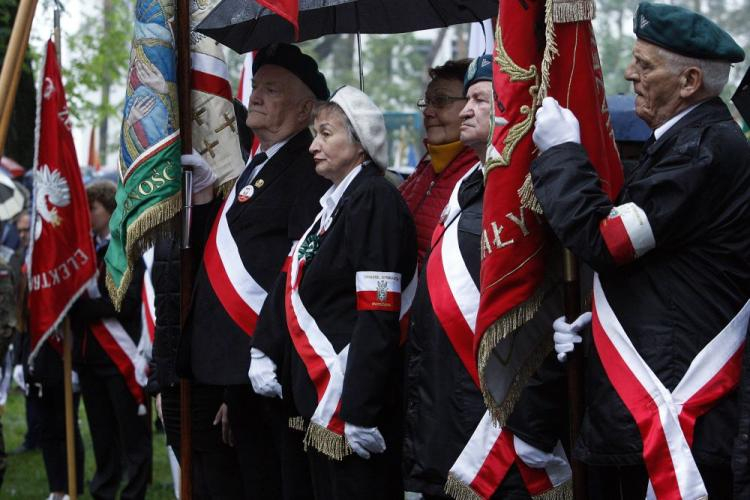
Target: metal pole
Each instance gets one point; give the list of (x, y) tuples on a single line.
[(70, 446)]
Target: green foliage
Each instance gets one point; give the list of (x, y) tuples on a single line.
[(99, 54)]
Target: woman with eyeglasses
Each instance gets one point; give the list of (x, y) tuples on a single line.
[(427, 190)]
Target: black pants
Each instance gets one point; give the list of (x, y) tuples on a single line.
[(120, 437), (631, 482), (33, 420), (216, 474), (270, 454), (52, 436)]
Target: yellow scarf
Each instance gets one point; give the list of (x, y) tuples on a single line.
[(442, 155)]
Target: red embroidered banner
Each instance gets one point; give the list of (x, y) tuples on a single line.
[(62, 251)]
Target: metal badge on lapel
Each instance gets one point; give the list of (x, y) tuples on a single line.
[(245, 194), (259, 183)]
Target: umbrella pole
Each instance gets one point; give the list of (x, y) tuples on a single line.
[(70, 446), (572, 301), (186, 253), (13, 63), (361, 67)]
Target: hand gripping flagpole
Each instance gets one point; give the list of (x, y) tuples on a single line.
[(13, 63), (186, 253)]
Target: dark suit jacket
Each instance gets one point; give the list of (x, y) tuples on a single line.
[(216, 349)]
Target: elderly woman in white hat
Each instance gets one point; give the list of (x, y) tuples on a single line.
[(349, 285)]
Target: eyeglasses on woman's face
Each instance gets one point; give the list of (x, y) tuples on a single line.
[(438, 101)]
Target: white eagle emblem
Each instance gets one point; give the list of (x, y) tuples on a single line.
[(382, 290), (51, 192), (48, 88)]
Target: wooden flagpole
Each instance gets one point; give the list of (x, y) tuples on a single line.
[(13, 63), (186, 253), (572, 304), (70, 447)]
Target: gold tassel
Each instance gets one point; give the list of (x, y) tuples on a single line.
[(528, 197), (458, 490), (550, 51), (155, 222), (573, 11), (297, 423), (561, 492), (326, 441)]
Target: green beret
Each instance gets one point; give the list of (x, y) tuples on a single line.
[(480, 70), (291, 58), (685, 32)]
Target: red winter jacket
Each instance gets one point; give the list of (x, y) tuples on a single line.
[(426, 193)]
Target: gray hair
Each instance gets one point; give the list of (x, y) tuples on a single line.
[(715, 73), (327, 106)]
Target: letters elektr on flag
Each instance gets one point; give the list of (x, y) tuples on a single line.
[(62, 258)]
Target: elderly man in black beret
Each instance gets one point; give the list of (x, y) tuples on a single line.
[(670, 301), (239, 436)]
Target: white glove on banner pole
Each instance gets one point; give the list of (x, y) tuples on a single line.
[(554, 125), (364, 440), (566, 334)]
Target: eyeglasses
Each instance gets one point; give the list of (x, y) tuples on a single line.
[(437, 101)]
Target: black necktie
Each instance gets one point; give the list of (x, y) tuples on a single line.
[(245, 177)]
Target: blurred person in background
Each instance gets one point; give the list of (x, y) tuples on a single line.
[(427, 190)]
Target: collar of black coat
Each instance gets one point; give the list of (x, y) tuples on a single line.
[(708, 112), (298, 145), (369, 170)]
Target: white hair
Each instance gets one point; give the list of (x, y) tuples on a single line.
[(715, 73)]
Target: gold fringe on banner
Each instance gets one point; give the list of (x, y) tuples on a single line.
[(573, 11), (326, 441), (458, 490), (157, 222), (223, 190), (528, 197), (562, 492), (550, 49), (297, 423)]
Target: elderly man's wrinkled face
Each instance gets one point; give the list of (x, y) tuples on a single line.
[(444, 100), (475, 117), (657, 89), (334, 152), (277, 107)]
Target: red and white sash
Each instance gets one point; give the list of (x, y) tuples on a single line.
[(489, 454), (148, 311), (123, 352), (326, 367), (241, 296), (666, 420)]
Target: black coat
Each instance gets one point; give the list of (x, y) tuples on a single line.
[(694, 186), (441, 396), (372, 230), (165, 276), (216, 350), (86, 310)]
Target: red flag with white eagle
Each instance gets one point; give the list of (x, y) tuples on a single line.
[(542, 48), (61, 259)]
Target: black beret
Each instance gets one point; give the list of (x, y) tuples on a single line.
[(480, 70), (685, 32), (291, 58)]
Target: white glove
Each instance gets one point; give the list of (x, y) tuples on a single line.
[(19, 378), (364, 440), (203, 174), (566, 334), (534, 457), (262, 374), (554, 125)]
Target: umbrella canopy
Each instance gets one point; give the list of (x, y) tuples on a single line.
[(245, 25), (11, 198)]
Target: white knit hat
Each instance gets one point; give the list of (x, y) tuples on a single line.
[(367, 121)]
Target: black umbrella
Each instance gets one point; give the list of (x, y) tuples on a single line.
[(245, 25)]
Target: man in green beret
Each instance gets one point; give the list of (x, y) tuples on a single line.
[(670, 301)]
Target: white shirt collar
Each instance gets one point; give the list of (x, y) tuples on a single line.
[(661, 130), (269, 153), (332, 197)]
